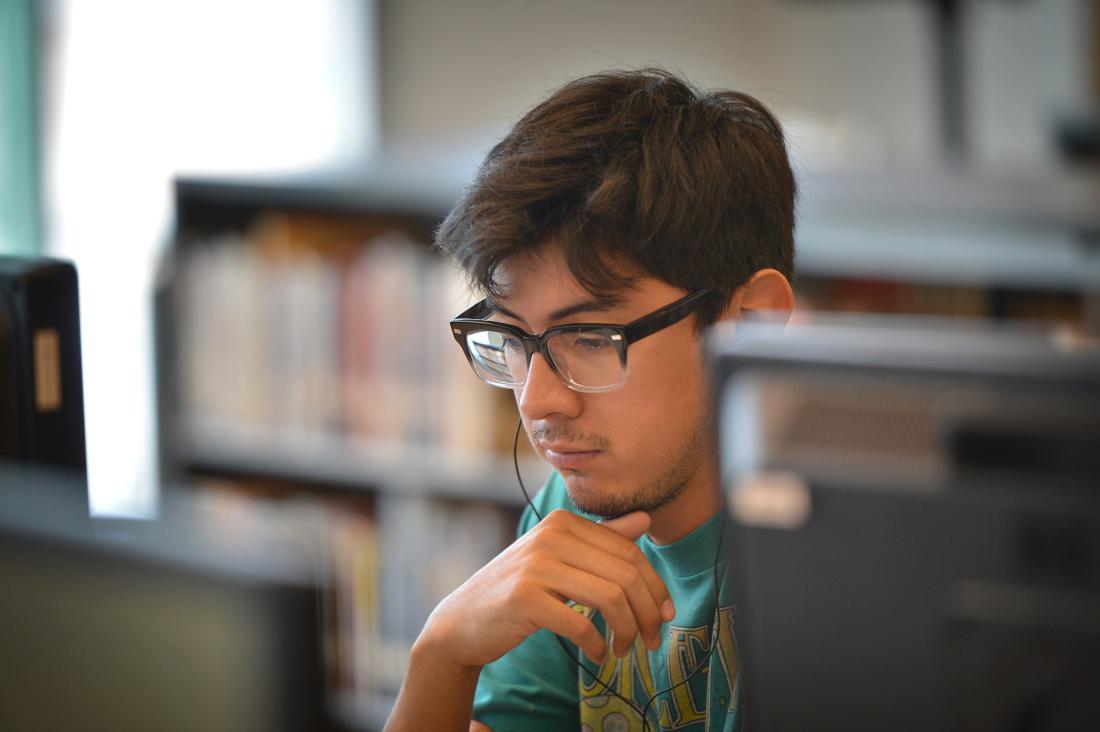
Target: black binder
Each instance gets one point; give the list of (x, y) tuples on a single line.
[(41, 394)]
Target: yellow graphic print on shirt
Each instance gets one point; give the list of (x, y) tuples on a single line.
[(687, 706)]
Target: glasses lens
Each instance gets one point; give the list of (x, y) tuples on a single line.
[(497, 357), (589, 359)]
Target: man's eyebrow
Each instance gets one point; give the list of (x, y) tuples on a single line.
[(599, 304)]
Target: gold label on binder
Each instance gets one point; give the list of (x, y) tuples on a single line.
[(47, 370)]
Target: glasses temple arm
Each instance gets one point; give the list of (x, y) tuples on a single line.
[(666, 316)]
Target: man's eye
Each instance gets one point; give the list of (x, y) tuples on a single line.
[(591, 344), (511, 343)]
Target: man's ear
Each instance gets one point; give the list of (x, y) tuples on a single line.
[(766, 297)]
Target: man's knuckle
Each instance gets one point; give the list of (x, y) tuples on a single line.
[(536, 563), (630, 553), (579, 624), (552, 535), (519, 592), (632, 575), (557, 517), (584, 630)]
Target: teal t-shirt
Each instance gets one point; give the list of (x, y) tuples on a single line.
[(536, 686)]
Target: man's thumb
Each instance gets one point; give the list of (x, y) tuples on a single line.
[(631, 525)]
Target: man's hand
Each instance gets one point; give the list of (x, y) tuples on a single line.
[(563, 558), (527, 587)]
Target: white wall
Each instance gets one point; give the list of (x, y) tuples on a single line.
[(1030, 61), (854, 81), (460, 73)]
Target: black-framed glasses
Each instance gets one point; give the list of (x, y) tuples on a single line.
[(587, 357)]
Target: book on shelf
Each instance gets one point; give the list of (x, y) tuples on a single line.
[(900, 297), (427, 549), (388, 562), (308, 325), (288, 329)]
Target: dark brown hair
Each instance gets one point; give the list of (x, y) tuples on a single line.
[(690, 187)]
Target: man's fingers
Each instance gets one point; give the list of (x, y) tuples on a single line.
[(595, 592), (607, 537), (646, 610), (644, 606), (564, 621), (629, 526)]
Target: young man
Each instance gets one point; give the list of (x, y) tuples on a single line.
[(634, 202)]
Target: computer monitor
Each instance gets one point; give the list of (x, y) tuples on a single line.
[(915, 541), (146, 626)]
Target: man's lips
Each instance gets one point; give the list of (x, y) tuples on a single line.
[(569, 457)]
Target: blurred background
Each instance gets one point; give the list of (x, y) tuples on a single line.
[(248, 190)]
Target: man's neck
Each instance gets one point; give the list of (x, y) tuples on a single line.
[(690, 510)]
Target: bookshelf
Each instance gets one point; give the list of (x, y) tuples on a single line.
[(271, 303), (274, 296), (1018, 246), (322, 228), (936, 242), (341, 464)]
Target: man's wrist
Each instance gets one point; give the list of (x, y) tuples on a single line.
[(438, 692), (433, 647)]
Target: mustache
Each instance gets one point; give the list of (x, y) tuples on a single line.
[(543, 432)]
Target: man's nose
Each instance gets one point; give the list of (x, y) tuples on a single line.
[(545, 394)]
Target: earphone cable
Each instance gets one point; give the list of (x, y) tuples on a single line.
[(561, 642), (713, 634), (644, 711)]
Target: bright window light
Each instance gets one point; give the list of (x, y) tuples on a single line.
[(139, 92)]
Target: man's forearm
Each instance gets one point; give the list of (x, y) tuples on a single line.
[(436, 695)]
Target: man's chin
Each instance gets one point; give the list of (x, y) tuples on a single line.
[(589, 495), (598, 498)]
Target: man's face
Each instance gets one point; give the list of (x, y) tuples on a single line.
[(637, 447)]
